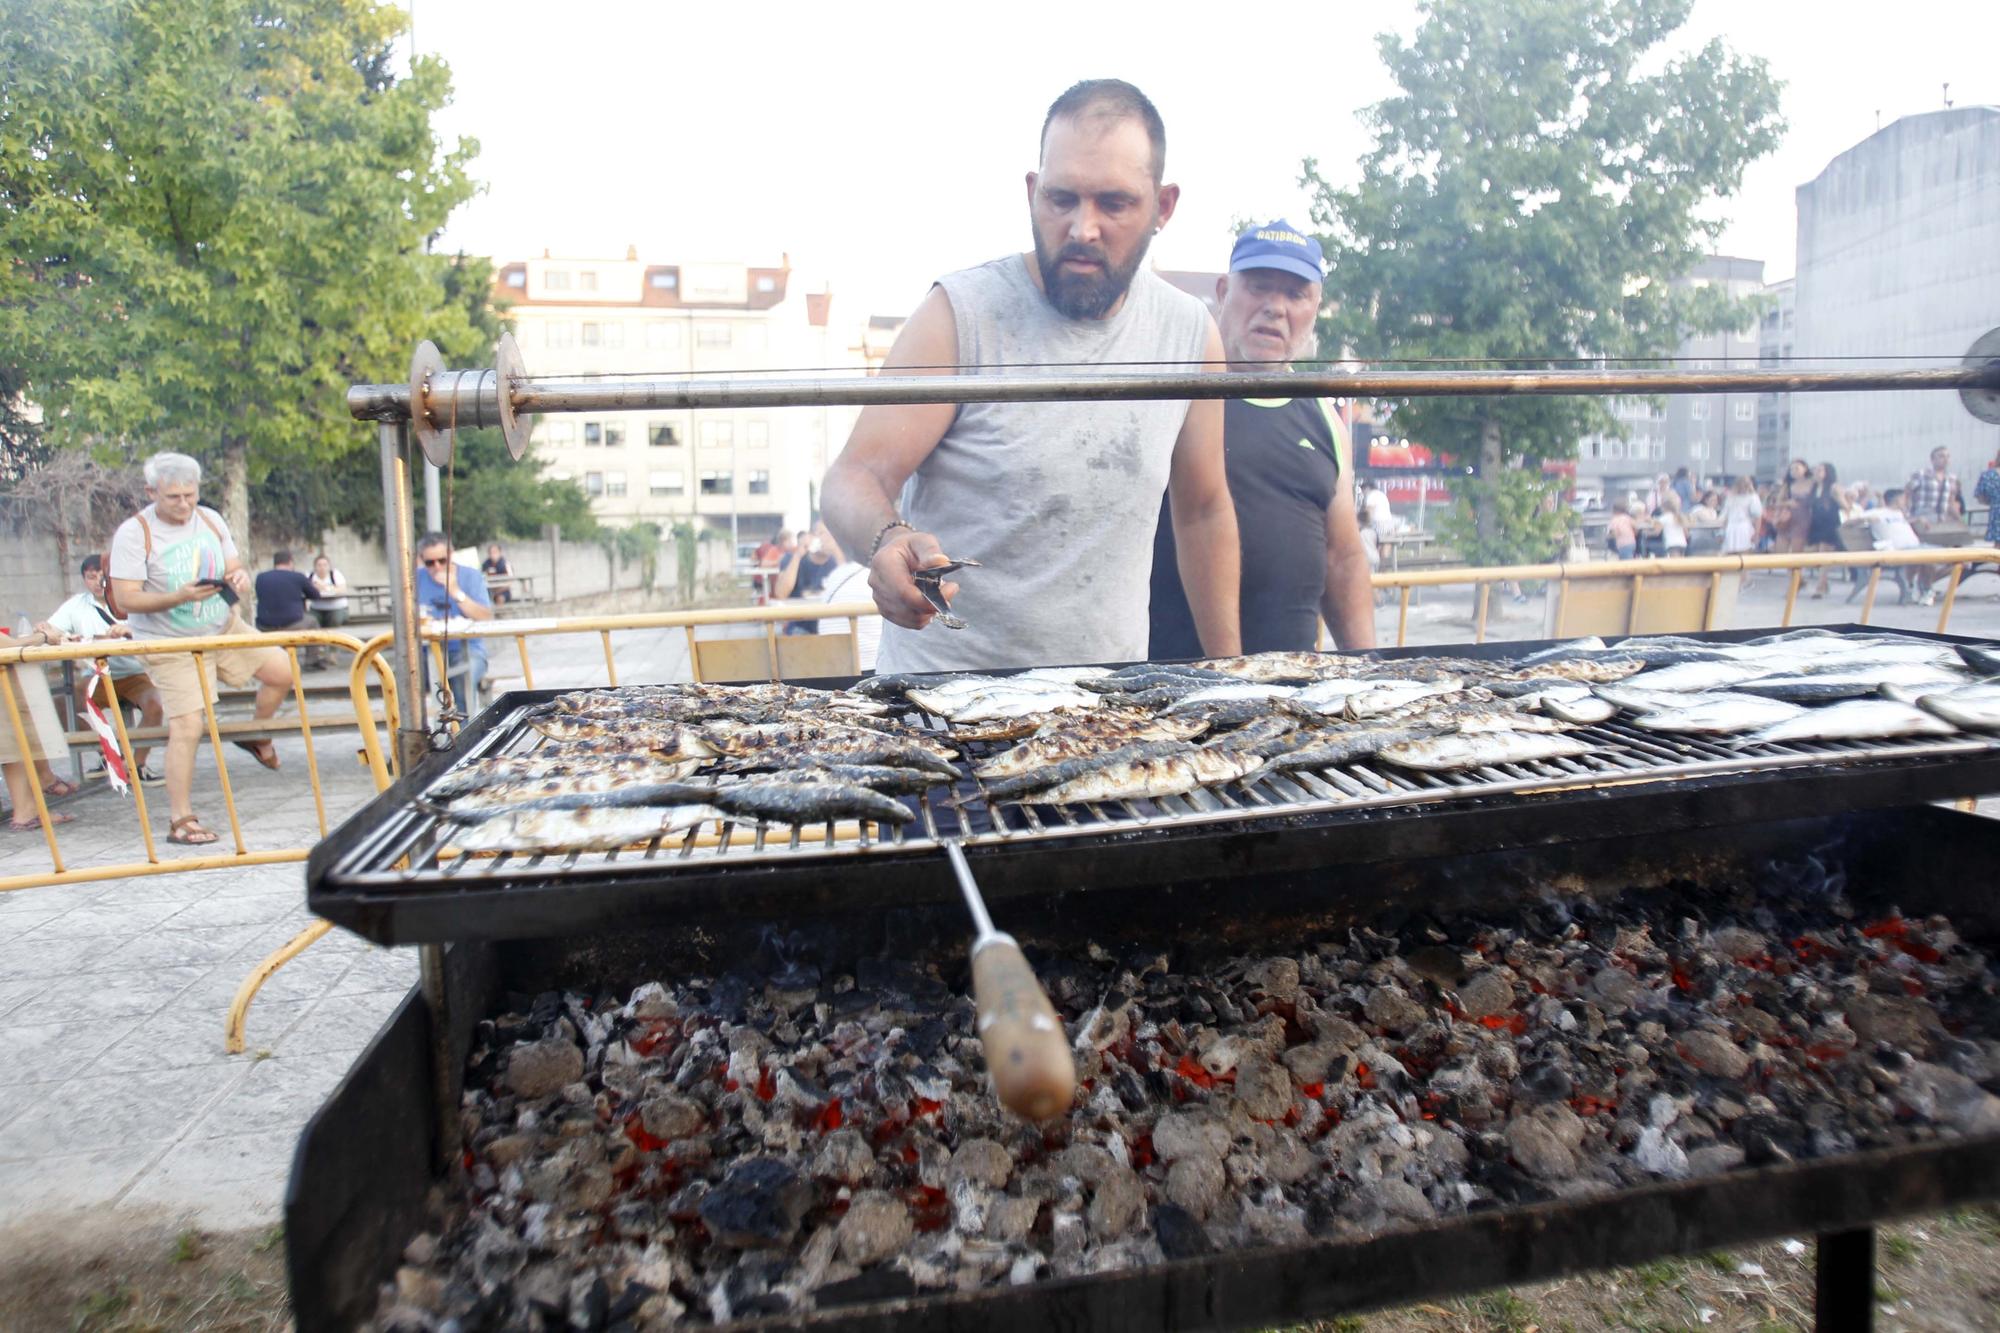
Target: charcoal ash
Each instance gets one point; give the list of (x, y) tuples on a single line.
[(789, 1136)]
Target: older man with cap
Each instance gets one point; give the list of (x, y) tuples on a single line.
[(1291, 471), (1056, 500)]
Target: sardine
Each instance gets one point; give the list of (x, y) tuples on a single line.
[(1582, 711), (893, 686), (1388, 697), (607, 792), (1727, 717), (800, 796), (1145, 675), (1170, 775), (1097, 734), (1282, 668), (1981, 657), (1225, 693), (791, 744), (1441, 753), (539, 832), (1691, 677), (549, 764), (1826, 687), (1344, 745), (1258, 737), (669, 739), (1080, 766), (1972, 710), (1563, 651), (1004, 704), (1856, 720)]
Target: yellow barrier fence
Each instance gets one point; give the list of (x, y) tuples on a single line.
[(360, 714)]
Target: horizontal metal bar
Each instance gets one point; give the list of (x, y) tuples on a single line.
[(476, 397)]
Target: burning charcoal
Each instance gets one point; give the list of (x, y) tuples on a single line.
[(1189, 1133), (666, 1116), (417, 1288), (1713, 1053), (1085, 1161), (1660, 1155), (1950, 1098), (1487, 991), (1544, 1081), (1442, 966), (798, 1092), (651, 1001), (1614, 988), (983, 1162), (760, 1202), (589, 1303), (1896, 1019), (1263, 1088), (538, 1068), (1194, 1183), (1009, 1218), (1543, 1142), (1316, 1062), (1275, 978), (1737, 944), (1066, 1239), (844, 1157), (876, 1227), (1392, 1011), (1117, 1205), (1179, 1234)]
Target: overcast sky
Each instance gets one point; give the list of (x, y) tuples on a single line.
[(880, 145)]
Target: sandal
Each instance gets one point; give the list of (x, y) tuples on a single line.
[(263, 752), (188, 832), (55, 817), (60, 788)]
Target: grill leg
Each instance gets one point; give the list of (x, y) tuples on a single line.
[(1844, 1282), (430, 959)]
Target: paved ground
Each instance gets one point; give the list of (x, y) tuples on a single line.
[(114, 1089)]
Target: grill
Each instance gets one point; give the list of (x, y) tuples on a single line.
[(365, 1161), (382, 874)]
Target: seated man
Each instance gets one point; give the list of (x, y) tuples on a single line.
[(282, 594), (85, 616), (446, 589), (1889, 525)]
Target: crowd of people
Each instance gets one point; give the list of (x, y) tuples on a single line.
[(1805, 511), (174, 571)]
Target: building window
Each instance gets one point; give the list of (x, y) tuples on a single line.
[(1744, 410), (593, 334), (517, 277), (593, 483), (586, 281), (559, 434), (1614, 448), (1743, 450), (760, 481), (1698, 449), (662, 334), (664, 282), (767, 284), (614, 436), (717, 434), (664, 483), (614, 484), (756, 434), (1698, 410), (560, 333), (717, 483), (556, 279), (593, 433), (661, 435), (711, 335)]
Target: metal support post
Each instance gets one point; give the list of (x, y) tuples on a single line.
[(433, 506), (430, 963), (412, 736), (1844, 1282)]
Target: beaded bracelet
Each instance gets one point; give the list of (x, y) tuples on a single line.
[(886, 528)]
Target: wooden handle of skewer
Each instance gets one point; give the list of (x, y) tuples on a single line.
[(1027, 1052)]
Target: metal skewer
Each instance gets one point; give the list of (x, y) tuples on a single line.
[(1027, 1051)]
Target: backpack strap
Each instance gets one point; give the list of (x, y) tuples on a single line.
[(146, 528)]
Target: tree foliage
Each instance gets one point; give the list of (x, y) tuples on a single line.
[(1534, 188), (216, 215)]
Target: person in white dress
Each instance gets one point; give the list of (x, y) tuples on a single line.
[(1741, 512)]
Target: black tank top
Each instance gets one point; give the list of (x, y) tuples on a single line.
[(1285, 465)]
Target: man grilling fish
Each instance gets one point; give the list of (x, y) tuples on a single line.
[(1056, 501)]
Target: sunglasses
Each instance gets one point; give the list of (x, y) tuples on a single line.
[(441, 560)]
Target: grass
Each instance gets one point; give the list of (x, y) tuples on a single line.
[(187, 1247)]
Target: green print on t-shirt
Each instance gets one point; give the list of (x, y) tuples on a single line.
[(196, 557)]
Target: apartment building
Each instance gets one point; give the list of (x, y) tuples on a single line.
[(741, 471), (1776, 337)]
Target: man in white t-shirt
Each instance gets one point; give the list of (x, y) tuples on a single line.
[(85, 616), (175, 573), (848, 582)]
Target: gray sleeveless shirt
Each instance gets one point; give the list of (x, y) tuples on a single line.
[(1057, 501)]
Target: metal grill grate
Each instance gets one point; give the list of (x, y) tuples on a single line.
[(409, 848)]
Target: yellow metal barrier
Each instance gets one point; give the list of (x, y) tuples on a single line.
[(198, 648)]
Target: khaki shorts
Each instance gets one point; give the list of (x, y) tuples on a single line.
[(181, 687)]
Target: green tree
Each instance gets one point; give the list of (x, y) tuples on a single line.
[(215, 215), (1543, 175)]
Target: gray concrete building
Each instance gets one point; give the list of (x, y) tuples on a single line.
[(1899, 256), (1711, 435), (1777, 333)]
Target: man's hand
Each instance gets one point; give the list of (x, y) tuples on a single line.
[(239, 581), (195, 592), (50, 634), (895, 591), (121, 630)]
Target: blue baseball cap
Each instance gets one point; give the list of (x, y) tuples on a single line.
[(1279, 245)]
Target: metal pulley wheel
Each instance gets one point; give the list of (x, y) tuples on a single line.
[(1983, 403)]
